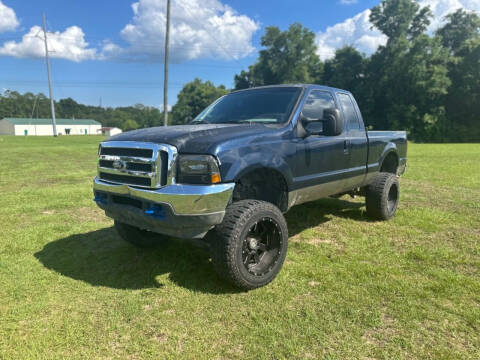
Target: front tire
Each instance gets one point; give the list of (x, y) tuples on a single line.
[(382, 196), (250, 245), (138, 237)]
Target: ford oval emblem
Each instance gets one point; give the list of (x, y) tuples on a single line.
[(119, 165)]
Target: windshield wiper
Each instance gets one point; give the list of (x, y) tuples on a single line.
[(236, 121), (199, 122)]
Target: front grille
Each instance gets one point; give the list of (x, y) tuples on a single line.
[(138, 164), (129, 166), (133, 152), (125, 179)]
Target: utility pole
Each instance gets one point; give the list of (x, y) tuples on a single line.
[(165, 77), (47, 58)]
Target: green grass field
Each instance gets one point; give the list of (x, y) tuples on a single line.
[(349, 289)]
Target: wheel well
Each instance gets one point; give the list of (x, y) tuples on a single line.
[(263, 184), (390, 164)]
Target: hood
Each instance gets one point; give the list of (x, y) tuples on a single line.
[(192, 138)]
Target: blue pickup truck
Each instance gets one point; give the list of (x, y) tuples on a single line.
[(228, 177)]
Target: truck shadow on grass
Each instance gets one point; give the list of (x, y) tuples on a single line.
[(101, 258), (316, 213)]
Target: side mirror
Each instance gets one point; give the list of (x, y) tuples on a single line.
[(332, 122), (314, 127), (330, 125)]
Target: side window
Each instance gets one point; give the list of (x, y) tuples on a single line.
[(316, 102), (351, 117)]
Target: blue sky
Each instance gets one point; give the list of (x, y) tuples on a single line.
[(212, 40)]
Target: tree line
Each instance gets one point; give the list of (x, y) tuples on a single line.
[(29, 105), (427, 84)]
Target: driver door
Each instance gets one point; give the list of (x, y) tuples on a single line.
[(320, 160)]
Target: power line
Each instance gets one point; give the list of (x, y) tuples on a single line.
[(145, 43), (142, 66), (82, 84)]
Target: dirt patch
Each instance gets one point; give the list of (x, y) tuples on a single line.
[(382, 334), (317, 241), (90, 214), (161, 337)]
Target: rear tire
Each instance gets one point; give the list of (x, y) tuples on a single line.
[(382, 196), (250, 245), (138, 237)]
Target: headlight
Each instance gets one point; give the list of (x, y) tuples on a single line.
[(197, 169)]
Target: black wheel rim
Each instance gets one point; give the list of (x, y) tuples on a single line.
[(261, 247), (392, 198)]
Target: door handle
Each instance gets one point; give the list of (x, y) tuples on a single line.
[(346, 146)]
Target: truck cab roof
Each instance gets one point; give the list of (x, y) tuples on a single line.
[(305, 86)]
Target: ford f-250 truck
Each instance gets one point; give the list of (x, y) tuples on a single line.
[(239, 165)]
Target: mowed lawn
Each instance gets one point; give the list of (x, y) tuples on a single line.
[(349, 289)]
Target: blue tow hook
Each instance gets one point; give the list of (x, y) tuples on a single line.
[(155, 211)]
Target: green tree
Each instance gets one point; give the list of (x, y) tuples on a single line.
[(461, 27), (289, 57), (461, 36), (408, 76), (400, 18), (347, 70), (130, 125), (14, 104), (193, 98)]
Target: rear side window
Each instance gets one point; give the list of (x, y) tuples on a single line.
[(316, 102), (351, 117)]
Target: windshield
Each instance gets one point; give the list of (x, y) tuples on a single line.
[(268, 105)]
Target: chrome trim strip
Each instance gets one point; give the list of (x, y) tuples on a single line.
[(314, 192), (319, 191), (126, 172), (183, 199), (330, 173), (156, 175), (133, 159)]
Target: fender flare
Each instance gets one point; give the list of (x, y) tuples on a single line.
[(254, 161), (391, 148)]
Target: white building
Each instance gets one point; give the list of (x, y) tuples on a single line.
[(110, 131), (37, 127)]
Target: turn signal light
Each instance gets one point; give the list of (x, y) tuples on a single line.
[(216, 178)]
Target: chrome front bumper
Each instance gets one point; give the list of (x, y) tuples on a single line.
[(186, 211)]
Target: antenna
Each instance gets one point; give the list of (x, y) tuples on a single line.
[(47, 58), (165, 78)]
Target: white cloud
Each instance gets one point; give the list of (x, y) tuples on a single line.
[(357, 31), (169, 107), (8, 19), (354, 31), (199, 29), (69, 45), (348, 2), (441, 8)]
